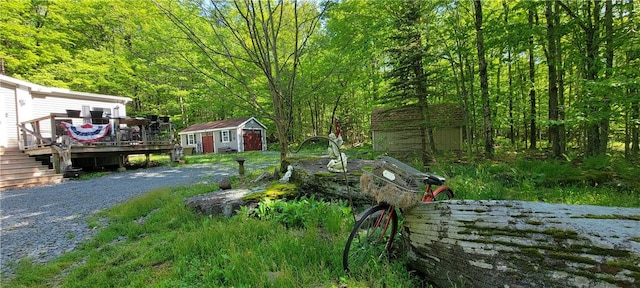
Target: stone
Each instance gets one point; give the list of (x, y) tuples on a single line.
[(224, 184)]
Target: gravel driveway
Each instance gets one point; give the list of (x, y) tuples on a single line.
[(44, 222)]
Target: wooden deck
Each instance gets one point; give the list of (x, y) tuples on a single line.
[(127, 136)]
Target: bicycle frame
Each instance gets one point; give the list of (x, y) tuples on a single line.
[(428, 196), (380, 222), (391, 209)]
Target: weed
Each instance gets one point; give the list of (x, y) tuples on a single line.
[(298, 244)]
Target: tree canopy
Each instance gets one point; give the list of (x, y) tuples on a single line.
[(531, 74)]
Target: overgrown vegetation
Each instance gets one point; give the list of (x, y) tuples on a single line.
[(600, 180), (154, 240)]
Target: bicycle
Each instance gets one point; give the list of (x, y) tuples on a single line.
[(375, 229)]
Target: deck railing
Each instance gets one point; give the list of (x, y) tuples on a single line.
[(46, 131)]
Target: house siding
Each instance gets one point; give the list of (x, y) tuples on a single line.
[(252, 125), (8, 128), (44, 105), (23, 101), (233, 144)]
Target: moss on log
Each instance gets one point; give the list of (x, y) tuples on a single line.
[(523, 244), (312, 177)]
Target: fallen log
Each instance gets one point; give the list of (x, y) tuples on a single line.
[(219, 202), (523, 244), (313, 178)]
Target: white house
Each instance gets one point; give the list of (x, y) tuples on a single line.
[(23, 101), (241, 134)]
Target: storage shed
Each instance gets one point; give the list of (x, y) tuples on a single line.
[(223, 136), (398, 129)]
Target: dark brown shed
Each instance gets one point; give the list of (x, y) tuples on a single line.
[(398, 129)]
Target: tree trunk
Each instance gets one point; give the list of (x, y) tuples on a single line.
[(635, 104), (471, 243), (606, 109), (484, 83), (532, 90), (314, 179), (560, 82), (554, 127), (635, 128), (512, 130)]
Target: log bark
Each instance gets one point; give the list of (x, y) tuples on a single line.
[(523, 244), (313, 178), (219, 202)]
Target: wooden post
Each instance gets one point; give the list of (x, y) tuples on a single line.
[(55, 160), (118, 133), (53, 128), (121, 167)]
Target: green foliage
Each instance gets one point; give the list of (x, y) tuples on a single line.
[(552, 181), (304, 213), (155, 241), (154, 160), (133, 49)]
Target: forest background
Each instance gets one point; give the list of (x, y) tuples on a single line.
[(555, 75)]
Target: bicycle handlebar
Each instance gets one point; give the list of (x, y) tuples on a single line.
[(424, 177), (433, 179)]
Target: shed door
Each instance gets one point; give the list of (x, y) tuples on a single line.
[(207, 143), (252, 140)]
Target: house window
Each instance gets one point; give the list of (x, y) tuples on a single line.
[(225, 136), (191, 139)]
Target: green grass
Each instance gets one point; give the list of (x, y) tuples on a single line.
[(255, 157), (154, 160), (599, 181), (153, 240)]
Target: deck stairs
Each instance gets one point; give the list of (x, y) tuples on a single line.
[(18, 170)]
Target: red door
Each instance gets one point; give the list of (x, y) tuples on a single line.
[(207, 144), (252, 140)]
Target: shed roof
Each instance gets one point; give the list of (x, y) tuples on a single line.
[(408, 117), (220, 124)]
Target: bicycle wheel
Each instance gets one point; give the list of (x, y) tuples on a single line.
[(441, 193), (371, 237)]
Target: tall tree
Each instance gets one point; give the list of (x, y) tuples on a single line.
[(589, 21), (512, 128), (560, 81), (532, 80), (632, 57), (484, 82), (554, 125), (248, 39), (408, 79)]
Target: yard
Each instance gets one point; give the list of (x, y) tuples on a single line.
[(154, 240)]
